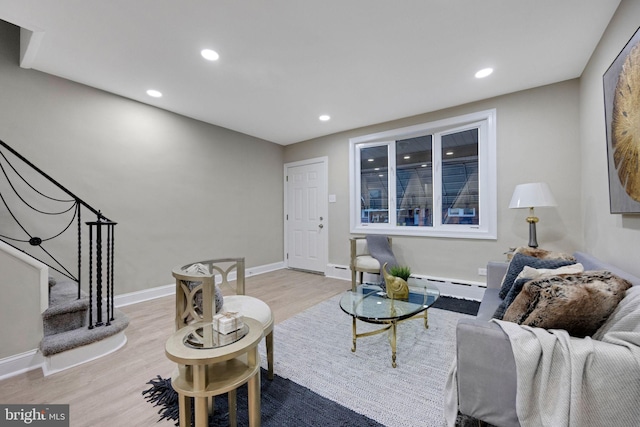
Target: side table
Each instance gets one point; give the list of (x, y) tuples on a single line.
[(206, 372)]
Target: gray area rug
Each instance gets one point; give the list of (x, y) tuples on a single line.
[(313, 349)]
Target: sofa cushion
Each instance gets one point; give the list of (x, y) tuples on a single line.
[(578, 303), (519, 261), (527, 274), (490, 300), (367, 262)]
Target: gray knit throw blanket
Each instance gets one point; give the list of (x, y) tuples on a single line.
[(380, 249)]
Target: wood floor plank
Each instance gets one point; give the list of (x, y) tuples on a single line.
[(107, 391)]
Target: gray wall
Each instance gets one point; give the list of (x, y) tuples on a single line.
[(181, 190), (611, 237), (19, 307), (537, 141)]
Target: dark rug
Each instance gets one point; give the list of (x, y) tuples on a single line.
[(283, 404), (458, 305)]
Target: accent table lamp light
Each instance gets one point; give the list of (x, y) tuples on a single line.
[(531, 196)]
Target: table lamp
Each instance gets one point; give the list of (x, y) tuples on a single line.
[(532, 195)]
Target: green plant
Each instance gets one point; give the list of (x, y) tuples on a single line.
[(401, 271)]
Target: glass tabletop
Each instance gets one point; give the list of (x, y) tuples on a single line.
[(370, 303), (207, 337)]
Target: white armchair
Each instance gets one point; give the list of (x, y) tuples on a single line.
[(361, 260)]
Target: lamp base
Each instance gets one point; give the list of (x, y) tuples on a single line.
[(533, 241)]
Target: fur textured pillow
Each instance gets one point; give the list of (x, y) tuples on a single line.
[(578, 303), (528, 274), (543, 253)]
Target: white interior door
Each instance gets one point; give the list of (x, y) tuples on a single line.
[(306, 215)]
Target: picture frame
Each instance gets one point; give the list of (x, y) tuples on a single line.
[(621, 83)]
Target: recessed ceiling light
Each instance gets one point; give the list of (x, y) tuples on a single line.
[(407, 157), (369, 160), (423, 166), (484, 73), (381, 175), (324, 118), (210, 55), (154, 93), (449, 153), (376, 169)]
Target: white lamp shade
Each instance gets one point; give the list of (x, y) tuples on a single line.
[(532, 195)]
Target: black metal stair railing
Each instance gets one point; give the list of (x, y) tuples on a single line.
[(21, 199)]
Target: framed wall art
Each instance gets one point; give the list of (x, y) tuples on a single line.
[(622, 114)]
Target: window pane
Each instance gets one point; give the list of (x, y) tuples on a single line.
[(374, 195), (460, 199), (414, 182)]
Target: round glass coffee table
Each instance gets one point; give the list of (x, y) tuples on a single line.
[(370, 304)]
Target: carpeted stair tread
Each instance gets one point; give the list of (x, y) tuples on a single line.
[(63, 298), (66, 311)]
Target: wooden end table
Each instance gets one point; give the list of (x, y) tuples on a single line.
[(207, 372)]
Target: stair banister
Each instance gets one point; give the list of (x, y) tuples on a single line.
[(98, 224)]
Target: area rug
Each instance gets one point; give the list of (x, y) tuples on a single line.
[(313, 349), (320, 381)]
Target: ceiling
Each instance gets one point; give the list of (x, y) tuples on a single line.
[(283, 63)]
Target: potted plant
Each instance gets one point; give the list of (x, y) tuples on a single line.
[(401, 271), (395, 286)]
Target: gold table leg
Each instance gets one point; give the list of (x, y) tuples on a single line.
[(392, 341), (355, 334), (391, 327)]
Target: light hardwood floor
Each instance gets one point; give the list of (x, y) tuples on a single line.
[(108, 391)]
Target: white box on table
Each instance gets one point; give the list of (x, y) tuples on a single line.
[(225, 323)]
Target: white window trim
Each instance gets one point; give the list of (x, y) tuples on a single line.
[(487, 169)]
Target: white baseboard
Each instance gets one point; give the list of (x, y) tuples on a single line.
[(33, 359), (20, 363), (166, 290), (465, 289)]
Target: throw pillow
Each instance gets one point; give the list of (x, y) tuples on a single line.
[(542, 253), (218, 297), (198, 268), (533, 273), (578, 303), (519, 261), (527, 274)]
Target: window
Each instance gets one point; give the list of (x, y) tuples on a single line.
[(434, 179)]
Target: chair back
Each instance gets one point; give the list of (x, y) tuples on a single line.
[(359, 248), (195, 287)]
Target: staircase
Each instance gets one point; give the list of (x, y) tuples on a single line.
[(76, 327)]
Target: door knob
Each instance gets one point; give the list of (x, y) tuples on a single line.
[(320, 226)]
